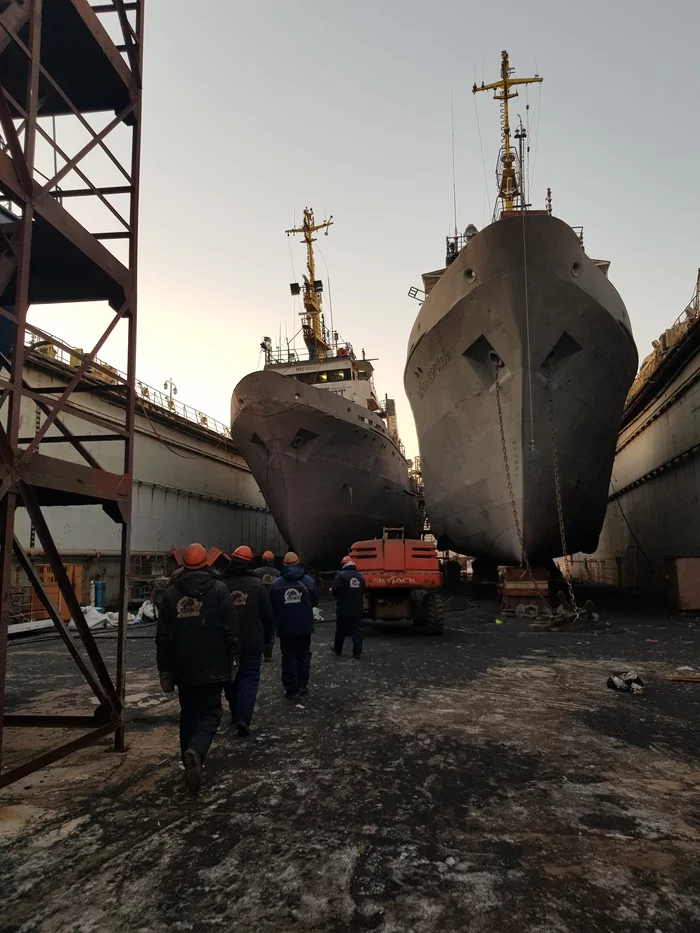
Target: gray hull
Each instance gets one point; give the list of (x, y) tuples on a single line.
[(578, 323), (327, 468)]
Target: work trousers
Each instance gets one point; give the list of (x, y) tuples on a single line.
[(296, 662), (348, 628), (200, 715), (269, 646), (242, 693)]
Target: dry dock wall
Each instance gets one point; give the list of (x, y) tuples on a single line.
[(653, 511), (190, 484)]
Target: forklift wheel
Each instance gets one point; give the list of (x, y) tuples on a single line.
[(433, 614)]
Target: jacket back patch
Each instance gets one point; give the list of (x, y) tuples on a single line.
[(239, 598), (188, 607)]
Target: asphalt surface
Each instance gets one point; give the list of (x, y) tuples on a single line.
[(484, 781)]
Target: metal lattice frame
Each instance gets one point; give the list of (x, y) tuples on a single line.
[(66, 59)]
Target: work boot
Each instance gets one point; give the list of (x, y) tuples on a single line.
[(357, 657), (304, 691), (291, 696), (243, 729), (193, 771)]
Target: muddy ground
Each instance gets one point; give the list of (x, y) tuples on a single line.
[(484, 781)]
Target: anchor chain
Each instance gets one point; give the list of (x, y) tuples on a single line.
[(557, 491), (524, 558)]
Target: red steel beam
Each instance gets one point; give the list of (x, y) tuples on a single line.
[(59, 218), (84, 482), (67, 408), (23, 252), (55, 617), (97, 138), (131, 51), (101, 36), (8, 128), (124, 563), (46, 721), (15, 16), (53, 414), (14, 774), (59, 571), (25, 455), (40, 468)]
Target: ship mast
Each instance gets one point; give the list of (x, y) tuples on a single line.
[(314, 337), (509, 190)]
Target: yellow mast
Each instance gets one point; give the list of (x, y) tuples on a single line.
[(509, 182), (313, 332)]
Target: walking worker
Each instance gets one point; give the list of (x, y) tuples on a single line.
[(348, 589), (294, 596), (252, 603), (268, 573), (197, 645)]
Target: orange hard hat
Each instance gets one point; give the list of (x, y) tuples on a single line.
[(243, 552), (346, 560), (195, 557), (268, 555)]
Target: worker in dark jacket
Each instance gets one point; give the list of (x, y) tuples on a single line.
[(197, 644), (268, 573), (252, 604), (294, 596), (348, 589)]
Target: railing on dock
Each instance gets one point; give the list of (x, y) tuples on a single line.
[(147, 393)]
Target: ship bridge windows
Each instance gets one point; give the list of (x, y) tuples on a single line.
[(324, 377), (329, 376)]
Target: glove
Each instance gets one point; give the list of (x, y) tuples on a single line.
[(166, 682), (234, 667)]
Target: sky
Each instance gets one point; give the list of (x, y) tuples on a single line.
[(254, 111)]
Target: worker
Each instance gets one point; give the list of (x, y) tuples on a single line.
[(268, 573), (197, 645), (252, 603), (294, 596), (348, 589)]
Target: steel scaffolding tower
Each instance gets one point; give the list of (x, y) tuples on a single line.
[(70, 126)]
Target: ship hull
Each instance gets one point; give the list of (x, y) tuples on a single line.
[(555, 313), (327, 468)]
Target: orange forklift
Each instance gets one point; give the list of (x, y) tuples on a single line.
[(402, 578)]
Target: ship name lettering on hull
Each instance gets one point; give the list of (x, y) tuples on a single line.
[(437, 365)]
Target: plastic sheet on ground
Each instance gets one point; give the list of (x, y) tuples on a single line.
[(147, 613), (101, 620)]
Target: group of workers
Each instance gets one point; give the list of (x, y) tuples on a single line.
[(215, 629)]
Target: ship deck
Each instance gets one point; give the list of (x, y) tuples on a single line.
[(488, 775)]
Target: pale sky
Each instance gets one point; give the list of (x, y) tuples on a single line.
[(253, 111)]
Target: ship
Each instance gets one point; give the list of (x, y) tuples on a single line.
[(518, 366), (651, 523), (323, 449)]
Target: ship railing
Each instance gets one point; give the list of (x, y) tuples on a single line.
[(669, 340), (288, 356), (147, 394)]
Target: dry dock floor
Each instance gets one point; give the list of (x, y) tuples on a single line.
[(483, 781)]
